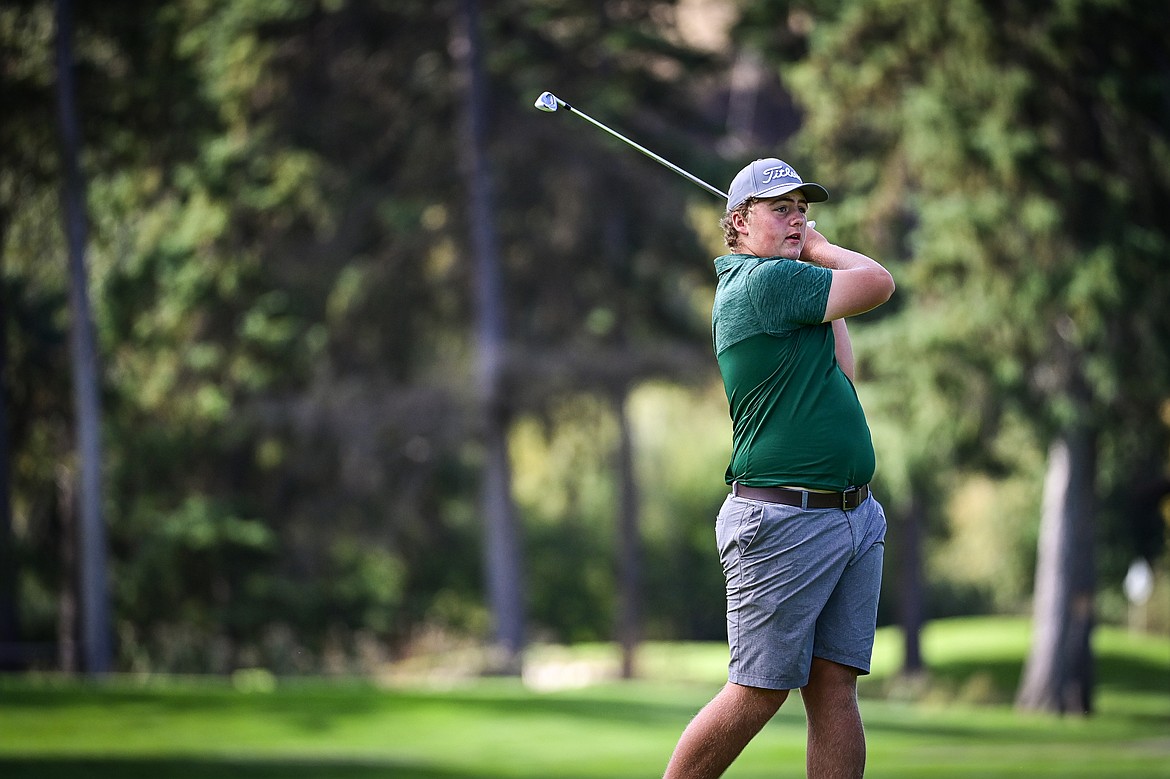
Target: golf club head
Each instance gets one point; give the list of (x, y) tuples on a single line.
[(547, 101)]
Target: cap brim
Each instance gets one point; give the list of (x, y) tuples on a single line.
[(814, 193)]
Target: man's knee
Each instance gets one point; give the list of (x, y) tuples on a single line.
[(830, 684), (761, 700), (826, 673)]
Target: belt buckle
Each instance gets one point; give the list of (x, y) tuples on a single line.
[(852, 491)]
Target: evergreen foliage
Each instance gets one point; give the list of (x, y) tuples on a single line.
[(282, 289)]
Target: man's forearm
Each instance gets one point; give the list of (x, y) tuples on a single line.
[(844, 348), (859, 284), (834, 257)]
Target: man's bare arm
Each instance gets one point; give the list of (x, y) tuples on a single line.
[(859, 283), (844, 348)]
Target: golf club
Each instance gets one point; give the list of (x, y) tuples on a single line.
[(550, 103)]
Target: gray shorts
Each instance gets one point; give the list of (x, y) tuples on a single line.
[(800, 583)]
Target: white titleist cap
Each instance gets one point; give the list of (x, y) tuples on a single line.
[(771, 178)]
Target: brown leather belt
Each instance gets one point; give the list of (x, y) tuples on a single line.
[(847, 500)]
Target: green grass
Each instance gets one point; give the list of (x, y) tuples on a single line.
[(956, 723)]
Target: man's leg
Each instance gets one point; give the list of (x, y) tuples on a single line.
[(836, 739), (721, 730)]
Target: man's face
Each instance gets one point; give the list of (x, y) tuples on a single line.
[(775, 227)]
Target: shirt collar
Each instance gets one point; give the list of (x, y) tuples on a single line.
[(729, 261)]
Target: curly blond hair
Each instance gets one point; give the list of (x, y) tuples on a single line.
[(730, 234)]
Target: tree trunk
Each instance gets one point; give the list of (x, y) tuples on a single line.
[(9, 602), (1058, 675), (909, 579), (629, 546), (68, 627), (502, 553), (96, 651), (11, 658), (501, 542), (747, 80)]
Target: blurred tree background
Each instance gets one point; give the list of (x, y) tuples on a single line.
[(283, 275)]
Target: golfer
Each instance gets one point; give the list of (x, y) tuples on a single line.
[(800, 536)]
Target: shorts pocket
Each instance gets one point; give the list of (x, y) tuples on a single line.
[(737, 526)]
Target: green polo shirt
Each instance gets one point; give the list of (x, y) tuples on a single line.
[(796, 419)]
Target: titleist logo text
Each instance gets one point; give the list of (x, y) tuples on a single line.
[(781, 172)]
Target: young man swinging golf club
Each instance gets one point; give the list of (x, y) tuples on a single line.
[(800, 537)]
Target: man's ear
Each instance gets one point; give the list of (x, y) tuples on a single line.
[(739, 222)]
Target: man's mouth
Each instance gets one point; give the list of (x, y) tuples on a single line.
[(793, 237)]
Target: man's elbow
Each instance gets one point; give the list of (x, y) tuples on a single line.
[(857, 291), (879, 286), (887, 285)]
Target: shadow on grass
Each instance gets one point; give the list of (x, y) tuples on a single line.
[(996, 681), (195, 767), (209, 768), (315, 710)]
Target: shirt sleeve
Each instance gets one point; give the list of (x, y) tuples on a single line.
[(788, 294)]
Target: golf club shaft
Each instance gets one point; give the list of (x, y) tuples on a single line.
[(644, 150)]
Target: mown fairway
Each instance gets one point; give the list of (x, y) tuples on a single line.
[(960, 724)]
